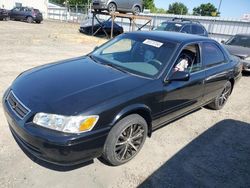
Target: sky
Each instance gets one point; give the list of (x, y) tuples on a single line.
[(229, 8)]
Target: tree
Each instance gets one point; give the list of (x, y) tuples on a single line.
[(177, 8), (206, 10), (149, 4)]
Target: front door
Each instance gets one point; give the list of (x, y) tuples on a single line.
[(180, 97)]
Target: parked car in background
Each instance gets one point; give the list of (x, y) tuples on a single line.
[(86, 27), (4, 14), (239, 45), (26, 14), (183, 26), (133, 6), (106, 103)]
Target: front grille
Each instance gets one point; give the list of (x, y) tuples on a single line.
[(17, 106)]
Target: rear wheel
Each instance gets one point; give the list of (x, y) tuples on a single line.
[(221, 100), (125, 140), (112, 7), (29, 19), (136, 10)]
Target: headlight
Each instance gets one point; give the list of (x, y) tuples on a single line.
[(68, 124)]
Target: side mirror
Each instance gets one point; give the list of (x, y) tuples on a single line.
[(179, 76), (222, 42)]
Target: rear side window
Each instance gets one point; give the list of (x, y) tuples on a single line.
[(198, 30), (212, 54), (186, 29)]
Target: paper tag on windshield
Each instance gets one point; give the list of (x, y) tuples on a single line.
[(153, 43)]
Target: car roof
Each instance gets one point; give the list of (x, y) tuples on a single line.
[(170, 36), (182, 22), (243, 34)]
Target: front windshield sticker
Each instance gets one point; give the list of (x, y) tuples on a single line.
[(153, 43)]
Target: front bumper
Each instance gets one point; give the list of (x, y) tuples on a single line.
[(246, 66), (38, 19), (52, 146)]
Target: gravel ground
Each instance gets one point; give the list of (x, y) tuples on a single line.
[(205, 149)]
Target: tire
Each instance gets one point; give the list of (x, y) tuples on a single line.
[(29, 19), (119, 147), (136, 10), (112, 8), (221, 99), (38, 22), (7, 18)]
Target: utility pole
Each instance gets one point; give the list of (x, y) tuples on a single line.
[(219, 6)]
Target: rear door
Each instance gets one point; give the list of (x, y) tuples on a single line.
[(217, 69), (22, 13)]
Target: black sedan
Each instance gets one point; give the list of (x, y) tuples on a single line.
[(108, 102), (100, 28), (239, 45), (4, 14)]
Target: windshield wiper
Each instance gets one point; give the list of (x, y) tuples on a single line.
[(91, 57), (117, 67)]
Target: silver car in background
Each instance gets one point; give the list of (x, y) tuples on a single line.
[(134, 6), (239, 45)]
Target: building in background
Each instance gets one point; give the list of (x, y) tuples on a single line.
[(42, 5)]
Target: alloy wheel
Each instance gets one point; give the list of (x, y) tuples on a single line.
[(225, 95), (112, 8), (136, 10), (129, 142)]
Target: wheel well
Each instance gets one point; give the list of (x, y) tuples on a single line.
[(232, 82), (113, 3), (138, 6), (145, 114)]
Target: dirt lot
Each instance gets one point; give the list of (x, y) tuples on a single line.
[(205, 149)]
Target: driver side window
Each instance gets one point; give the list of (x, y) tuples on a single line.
[(189, 59)]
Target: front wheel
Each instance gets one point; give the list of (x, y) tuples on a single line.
[(221, 99), (112, 8), (125, 140)]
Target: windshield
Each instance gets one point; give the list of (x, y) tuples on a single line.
[(169, 27), (140, 56), (239, 41)]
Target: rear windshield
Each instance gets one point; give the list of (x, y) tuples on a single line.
[(168, 26), (239, 41)]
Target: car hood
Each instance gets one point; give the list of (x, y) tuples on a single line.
[(72, 86), (239, 51)]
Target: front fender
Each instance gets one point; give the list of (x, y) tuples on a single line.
[(141, 109)]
